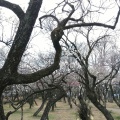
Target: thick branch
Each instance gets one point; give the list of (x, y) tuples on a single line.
[(95, 24), (64, 21), (22, 37), (89, 24), (22, 102), (15, 8), (46, 16), (29, 78), (56, 35)]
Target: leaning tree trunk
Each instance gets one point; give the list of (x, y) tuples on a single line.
[(56, 95), (50, 103), (44, 99), (84, 110), (40, 108), (47, 109), (2, 115), (92, 96)]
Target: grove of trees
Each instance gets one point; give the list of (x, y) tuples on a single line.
[(84, 38)]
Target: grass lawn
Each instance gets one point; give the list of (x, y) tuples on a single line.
[(62, 112)]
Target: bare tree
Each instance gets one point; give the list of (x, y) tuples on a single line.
[(9, 72), (89, 77)]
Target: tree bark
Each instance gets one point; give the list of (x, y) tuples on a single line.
[(2, 115), (59, 93), (92, 96), (40, 108), (9, 72)]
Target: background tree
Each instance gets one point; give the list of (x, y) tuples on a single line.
[(88, 74)]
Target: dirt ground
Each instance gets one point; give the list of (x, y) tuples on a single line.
[(65, 113), (62, 112)]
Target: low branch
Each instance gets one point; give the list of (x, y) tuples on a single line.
[(21, 103), (56, 35)]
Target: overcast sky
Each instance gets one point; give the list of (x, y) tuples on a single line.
[(41, 42)]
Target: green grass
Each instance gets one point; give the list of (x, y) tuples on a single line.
[(27, 113), (117, 118), (62, 112)]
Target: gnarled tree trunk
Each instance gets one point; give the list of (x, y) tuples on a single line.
[(59, 93), (92, 96), (2, 114)]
